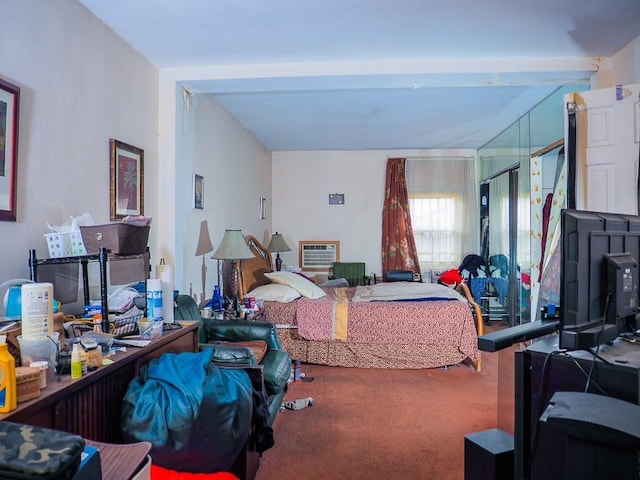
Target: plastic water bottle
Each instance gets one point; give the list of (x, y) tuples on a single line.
[(297, 373), (154, 300)]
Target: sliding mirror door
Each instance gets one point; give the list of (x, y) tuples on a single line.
[(501, 301)]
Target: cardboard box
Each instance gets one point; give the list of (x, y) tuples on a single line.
[(117, 238)]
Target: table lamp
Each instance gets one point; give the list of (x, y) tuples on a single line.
[(277, 244), (204, 247), (233, 247)]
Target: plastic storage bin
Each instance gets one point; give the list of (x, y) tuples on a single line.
[(117, 238)]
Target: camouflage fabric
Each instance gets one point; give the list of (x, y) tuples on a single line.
[(28, 452)]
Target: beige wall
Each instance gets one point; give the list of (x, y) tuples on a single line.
[(80, 85), (237, 173), (302, 182), (621, 69)]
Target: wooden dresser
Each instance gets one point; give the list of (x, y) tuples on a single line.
[(91, 406)]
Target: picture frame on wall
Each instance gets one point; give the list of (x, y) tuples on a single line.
[(126, 180), (198, 191), (9, 113)]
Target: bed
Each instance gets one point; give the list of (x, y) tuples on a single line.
[(366, 326)]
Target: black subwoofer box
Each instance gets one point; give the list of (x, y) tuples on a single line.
[(488, 455)]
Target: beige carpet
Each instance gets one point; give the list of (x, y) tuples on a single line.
[(382, 424)]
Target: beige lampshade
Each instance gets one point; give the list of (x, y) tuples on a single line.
[(233, 247), (277, 243), (204, 241)]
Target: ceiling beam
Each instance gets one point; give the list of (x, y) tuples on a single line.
[(423, 73)]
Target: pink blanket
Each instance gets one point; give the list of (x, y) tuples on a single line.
[(402, 323)]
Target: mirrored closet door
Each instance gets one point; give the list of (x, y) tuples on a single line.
[(501, 299)]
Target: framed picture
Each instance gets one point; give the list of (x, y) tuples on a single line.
[(198, 191), (9, 110), (126, 180)]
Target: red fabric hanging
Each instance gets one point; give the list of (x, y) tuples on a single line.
[(546, 212), (398, 245)]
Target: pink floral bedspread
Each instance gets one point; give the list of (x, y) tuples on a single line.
[(382, 323)]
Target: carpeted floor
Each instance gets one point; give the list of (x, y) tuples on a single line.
[(382, 424)]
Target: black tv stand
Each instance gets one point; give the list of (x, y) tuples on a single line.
[(544, 369)]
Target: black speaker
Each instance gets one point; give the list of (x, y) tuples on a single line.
[(602, 435), (398, 276), (488, 455)]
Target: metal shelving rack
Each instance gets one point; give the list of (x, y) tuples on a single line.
[(102, 257)]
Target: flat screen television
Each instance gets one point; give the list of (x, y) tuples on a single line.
[(598, 277)]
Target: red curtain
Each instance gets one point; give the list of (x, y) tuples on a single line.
[(398, 245)]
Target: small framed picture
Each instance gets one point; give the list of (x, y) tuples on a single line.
[(126, 180), (198, 191)]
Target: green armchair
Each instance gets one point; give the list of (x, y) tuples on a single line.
[(353, 272), (235, 343)]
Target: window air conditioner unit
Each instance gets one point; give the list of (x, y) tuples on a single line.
[(318, 255)]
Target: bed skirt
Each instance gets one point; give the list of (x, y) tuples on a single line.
[(336, 353)]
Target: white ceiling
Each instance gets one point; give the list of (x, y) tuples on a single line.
[(375, 74)]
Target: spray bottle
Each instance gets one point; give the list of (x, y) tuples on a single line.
[(8, 387)]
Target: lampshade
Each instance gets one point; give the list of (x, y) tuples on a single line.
[(233, 247), (204, 241), (204, 247), (277, 243)]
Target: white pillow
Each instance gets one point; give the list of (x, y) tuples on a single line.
[(302, 285), (275, 293)]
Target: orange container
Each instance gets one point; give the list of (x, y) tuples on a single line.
[(8, 387)]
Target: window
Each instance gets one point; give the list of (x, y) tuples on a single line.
[(444, 210), (434, 228)]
